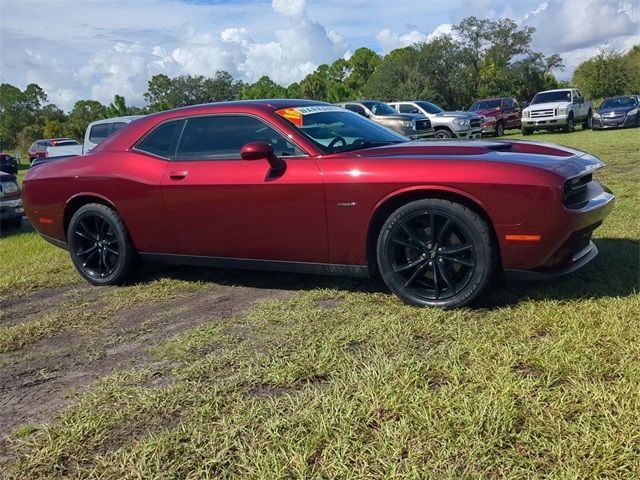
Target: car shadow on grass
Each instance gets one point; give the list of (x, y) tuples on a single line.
[(7, 230), (615, 272)]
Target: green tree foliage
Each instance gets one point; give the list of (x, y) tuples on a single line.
[(18, 109), (83, 113), (263, 88), (118, 108), (164, 92), (609, 73)]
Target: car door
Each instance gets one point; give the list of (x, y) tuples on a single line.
[(219, 205)]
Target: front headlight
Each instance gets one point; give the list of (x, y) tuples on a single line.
[(460, 122), (408, 124), (525, 114), (596, 115), (633, 112), (8, 187), (562, 111)]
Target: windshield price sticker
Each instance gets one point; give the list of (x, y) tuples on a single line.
[(295, 115)]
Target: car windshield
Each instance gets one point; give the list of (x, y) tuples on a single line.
[(334, 129), (486, 105), (619, 102), (429, 107), (379, 108), (550, 97)]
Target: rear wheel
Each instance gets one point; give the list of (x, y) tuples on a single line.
[(443, 133), (99, 245), (434, 252)]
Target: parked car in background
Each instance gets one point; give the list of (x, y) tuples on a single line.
[(95, 133), (8, 164), (11, 210), (445, 124), (414, 126), (100, 130), (304, 186), (556, 109), (500, 114), (617, 112), (40, 146)]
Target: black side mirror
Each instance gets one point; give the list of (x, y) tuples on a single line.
[(262, 151)]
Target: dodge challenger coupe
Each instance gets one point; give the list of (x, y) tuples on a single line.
[(304, 186)]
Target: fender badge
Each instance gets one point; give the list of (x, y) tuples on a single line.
[(347, 204)]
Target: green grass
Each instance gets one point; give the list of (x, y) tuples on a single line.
[(539, 381)]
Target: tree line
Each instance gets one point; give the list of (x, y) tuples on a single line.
[(481, 58)]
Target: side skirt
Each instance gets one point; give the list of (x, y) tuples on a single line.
[(251, 264)]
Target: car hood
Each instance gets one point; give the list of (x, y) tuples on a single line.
[(544, 106), (605, 111), (398, 116), (490, 112), (538, 154), (464, 115)]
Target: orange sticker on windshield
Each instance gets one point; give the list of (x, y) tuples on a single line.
[(292, 115)]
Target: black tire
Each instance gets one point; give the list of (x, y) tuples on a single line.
[(499, 129), (99, 245), (436, 253), (586, 125), (443, 133), (570, 125), (527, 131)]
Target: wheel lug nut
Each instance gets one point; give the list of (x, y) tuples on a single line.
[(440, 260)]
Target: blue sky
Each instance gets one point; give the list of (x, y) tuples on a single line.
[(95, 48)]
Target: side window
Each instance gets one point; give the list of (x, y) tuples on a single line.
[(356, 108), (162, 140), (98, 133), (221, 137), (408, 108), (507, 103), (115, 126)]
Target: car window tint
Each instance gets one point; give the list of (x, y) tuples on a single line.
[(99, 132), (117, 126), (408, 108), (161, 141), (356, 108), (222, 137)]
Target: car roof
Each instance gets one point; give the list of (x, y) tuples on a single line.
[(559, 90), (124, 118), (492, 98)]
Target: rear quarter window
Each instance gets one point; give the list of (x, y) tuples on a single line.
[(161, 141)]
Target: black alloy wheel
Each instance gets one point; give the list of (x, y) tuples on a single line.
[(499, 129), (436, 253), (99, 245)]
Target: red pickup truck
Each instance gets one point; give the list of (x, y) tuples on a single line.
[(500, 114)]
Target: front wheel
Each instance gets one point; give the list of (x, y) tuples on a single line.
[(443, 133), (436, 253), (527, 131), (499, 129), (569, 126), (586, 125), (99, 245)]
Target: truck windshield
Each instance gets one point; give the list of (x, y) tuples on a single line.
[(334, 129), (551, 97), (485, 105), (429, 107)]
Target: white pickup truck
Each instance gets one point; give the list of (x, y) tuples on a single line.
[(556, 109), (96, 132)]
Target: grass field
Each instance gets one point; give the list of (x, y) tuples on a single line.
[(329, 378)]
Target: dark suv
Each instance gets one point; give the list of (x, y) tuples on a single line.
[(500, 114), (8, 164)]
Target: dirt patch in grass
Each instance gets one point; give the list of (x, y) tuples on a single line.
[(37, 383)]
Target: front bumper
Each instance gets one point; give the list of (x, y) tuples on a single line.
[(11, 209), (602, 123), (546, 122), (469, 133)]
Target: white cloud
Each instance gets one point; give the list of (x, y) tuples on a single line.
[(390, 40), (290, 8)]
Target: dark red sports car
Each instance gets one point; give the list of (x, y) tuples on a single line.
[(304, 186)]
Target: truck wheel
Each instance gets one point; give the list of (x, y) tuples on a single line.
[(436, 253), (527, 131), (500, 129), (443, 133), (570, 126), (99, 245), (586, 125)]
